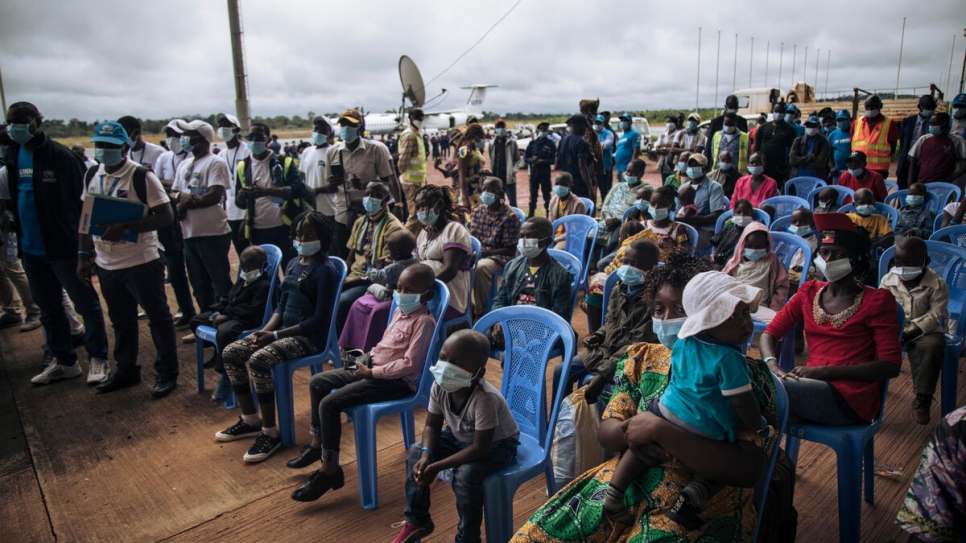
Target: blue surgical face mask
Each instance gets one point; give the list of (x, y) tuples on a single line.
[(372, 205), (108, 157), (926, 113), (185, 144), (570, 130), (529, 247), (681, 166), (695, 172), (631, 180), (428, 218), (731, 111), (500, 132), (659, 213), (560, 191), (725, 165), (348, 134), (811, 132), (541, 134), (754, 254), (307, 248), (450, 377), (914, 200), (865, 210), (480, 144), (778, 117), (667, 330), (935, 130), (319, 139), (800, 231), (729, 129), (257, 147), (487, 198), (598, 128), (19, 133), (407, 303), (630, 275), (641, 205), (692, 125), (625, 126), (225, 133), (756, 170), (857, 172), (843, 125)]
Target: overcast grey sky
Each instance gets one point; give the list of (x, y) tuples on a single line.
[(159, 59)]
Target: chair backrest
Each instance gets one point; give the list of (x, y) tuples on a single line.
[(437, 307), (781, 224), (802, 186), (758, 215), (572, 264), (897, 200), (954, 235), (761, 487), (578, 227), (273, 259), (588, 206), (886, 211), (786, 245), (530, 334), (891, 186), (609, 283), (693, 234), (785, 205), (627, 213), (946, 192), (727, 201), (477, 256), (844, 192), (521, 214), (332, 344)]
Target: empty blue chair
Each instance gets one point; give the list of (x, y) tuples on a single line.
[(954, 234), (886, 211), (945, 192), (757, 214), (578, 228), (531, 333), (520, 214), (844, 192), (365, 417), (761, 487), (207, 333), (467, 315), (283, 372), (891, 187), (588, 206), (785, 205), (897, 200), (803, 186)]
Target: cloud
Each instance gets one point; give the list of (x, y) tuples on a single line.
[(101, 59)]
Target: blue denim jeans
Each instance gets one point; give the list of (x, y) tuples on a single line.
[(812, 400), (467, 483), (209, 272), (47, 278)]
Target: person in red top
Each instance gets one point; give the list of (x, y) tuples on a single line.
[(859, 177), (756, 187), (851, 330), (867, 136)]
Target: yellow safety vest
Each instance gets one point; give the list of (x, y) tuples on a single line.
[(416, 169), (287, 207), (874, 142), (743, 143)]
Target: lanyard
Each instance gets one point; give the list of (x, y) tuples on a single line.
[(143, 150), (114, 186)]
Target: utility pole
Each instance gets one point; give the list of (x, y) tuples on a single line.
[(794, 54), (3, 99), (902, 41), (949, 72), (734, 76), (818, 57), (962, 74), (767, 54), (805, 66), (751, 60), (827, 62), (781, 60), (242, 108), (717, 68), (697, 89)]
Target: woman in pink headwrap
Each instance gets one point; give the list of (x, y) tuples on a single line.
[(755, 263)]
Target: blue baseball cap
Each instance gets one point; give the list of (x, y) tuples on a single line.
[(110, 132), (843, 114), (792, 108), (960, 99), (812, 119), (626, 117), (599, 119)]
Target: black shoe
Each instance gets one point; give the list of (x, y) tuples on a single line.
[(684, 513), (118, 381), (210, 363), (306, 458), (318, 484), (164, 386), (183, 322)]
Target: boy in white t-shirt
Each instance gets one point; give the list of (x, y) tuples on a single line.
[(130, 272), (330, 200), (200, 186)]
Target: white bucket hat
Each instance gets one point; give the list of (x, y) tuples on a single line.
[(710, 299)]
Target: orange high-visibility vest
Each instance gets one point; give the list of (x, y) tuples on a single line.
[(874, 142)]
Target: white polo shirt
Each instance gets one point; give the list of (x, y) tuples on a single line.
[(197, 176), (232, 157), (314, 166)]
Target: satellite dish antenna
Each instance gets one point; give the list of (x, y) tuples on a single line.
[(412, 82)]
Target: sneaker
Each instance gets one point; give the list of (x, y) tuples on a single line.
[(10, 319), (920, 408), (222, 390), (264, 446), (684, 513), (188, 339), (412, 533), (239, 430), (32, 323), (56, 372), (177, 315), (142, 314), (98, 372), (183, 322)]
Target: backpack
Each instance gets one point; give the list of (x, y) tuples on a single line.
[(139, 181), (779, 519), (575, 447)]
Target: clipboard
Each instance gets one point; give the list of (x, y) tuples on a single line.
[(99, 209)]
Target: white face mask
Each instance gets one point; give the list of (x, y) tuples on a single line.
[(529, 247), (250, 276), (834, 270), (450, 377), (417, 124), (741, 220), (174, 144), (225, 133), (906, 273), (871, 113)]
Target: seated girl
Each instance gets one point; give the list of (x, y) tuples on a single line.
[(754, 263), (725, 240)]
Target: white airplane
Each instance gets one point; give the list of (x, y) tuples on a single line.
[(388, 123)]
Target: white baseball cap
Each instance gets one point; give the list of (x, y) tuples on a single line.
[(228, 117), (199, 126)]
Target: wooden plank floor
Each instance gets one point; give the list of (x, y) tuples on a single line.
[(78, 466)]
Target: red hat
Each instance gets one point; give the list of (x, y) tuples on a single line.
[(838, 229)]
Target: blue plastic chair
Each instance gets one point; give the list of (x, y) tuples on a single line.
[(588, 206), (945, 192), (758, 215), (520, 214), (853, 446), (781, 224), (283, 372), (693, 234), (467, 315), (802, 186), (897, 200), (578, 228), (627, 213), (609, 283), (891, 186), (530, 333), (365, 417), (205, 333), (786, 245), (727, 202), (886, 211), (954, 234), (949, 262), (785, 205), (761, 487), (844, 192)]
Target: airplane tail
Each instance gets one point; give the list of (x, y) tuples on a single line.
[(477, 96)]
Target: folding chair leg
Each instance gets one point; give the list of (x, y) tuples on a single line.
[(200, 356), (849, 463), (284, 399), (497, 512), (950, 377), (408, 421), (868, 472), (791, 447), (365, 435)]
